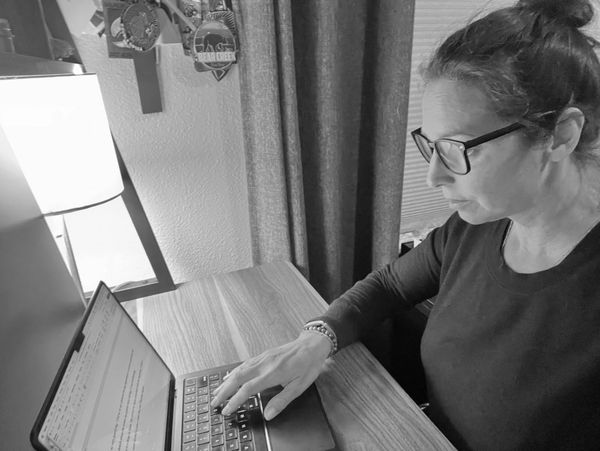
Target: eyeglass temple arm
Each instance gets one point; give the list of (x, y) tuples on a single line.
[(493, 135), (504, 131)]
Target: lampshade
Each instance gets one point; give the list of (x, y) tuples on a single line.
[(58, 130)]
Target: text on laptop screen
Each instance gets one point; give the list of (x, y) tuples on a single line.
[(115, 390)]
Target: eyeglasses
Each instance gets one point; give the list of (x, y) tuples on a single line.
[(453, 153)]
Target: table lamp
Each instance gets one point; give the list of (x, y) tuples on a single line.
[(57, 128)]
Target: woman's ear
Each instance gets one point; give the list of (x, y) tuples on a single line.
[(566, 134)]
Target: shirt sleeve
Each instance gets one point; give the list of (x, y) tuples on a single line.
[(400, 285)]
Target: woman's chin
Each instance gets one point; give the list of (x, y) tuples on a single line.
[(476, 216)]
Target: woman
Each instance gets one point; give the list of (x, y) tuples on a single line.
[(511, 351)]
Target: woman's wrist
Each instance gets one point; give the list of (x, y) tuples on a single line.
[(324, 330), (314, 343)]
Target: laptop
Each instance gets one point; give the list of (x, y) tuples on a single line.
[(114, 392)]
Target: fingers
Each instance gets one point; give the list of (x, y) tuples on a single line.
[(292, 365), (232, 382), (244, 381), (246, 390), (290, 392)]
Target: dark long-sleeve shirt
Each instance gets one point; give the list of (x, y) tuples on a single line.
[(512, 361)]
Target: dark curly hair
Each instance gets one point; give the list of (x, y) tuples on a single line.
[(529, 58)]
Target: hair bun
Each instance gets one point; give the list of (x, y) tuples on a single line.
[(573, 13)]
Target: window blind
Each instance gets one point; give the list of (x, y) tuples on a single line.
[(422, 206)]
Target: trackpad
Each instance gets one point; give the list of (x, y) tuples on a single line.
[(301, 425)]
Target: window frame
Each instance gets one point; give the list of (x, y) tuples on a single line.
[(163, 281)]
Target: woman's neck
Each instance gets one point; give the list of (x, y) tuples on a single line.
[(562, 217)]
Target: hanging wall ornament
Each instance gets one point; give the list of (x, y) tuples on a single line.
[(225, 15), (187, 16), (115, 40), (140, 26), (215, 42), (140, 30)]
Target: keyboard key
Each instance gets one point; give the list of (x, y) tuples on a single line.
[(218, 448), (189, 437), (248, 446), (190, 407), (190, 390), (242, 416), (216, 419), (243, 426), (203, 399), (216, 410), (230, 434), (214, 384), (202, 391), (189, 398), (190, 416), (203, 417), (205, 447), (191, 381), (189, 426), (203, 428), (203, 438), (232, 445), (252, 403), (214, 377), (216, 429), (189, 447), (202, 381), (245, 436), (216, 440), (203, 408)]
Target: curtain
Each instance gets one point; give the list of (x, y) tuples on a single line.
[(324, 93)]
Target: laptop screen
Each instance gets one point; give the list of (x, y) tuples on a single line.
[(114, 391)]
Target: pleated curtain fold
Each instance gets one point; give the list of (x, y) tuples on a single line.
[(324, 93)]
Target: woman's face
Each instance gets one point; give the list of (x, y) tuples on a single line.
[(507, 176)]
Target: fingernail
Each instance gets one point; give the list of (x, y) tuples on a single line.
[(225, 411), (269, 413)]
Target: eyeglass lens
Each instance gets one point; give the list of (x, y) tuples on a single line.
[(450, 153), (424, 147)]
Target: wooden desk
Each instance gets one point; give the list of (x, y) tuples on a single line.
[(230, 317)]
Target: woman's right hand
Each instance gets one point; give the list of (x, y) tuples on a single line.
[(294, 365)]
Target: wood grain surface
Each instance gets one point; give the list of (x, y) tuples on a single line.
[(230, 317)]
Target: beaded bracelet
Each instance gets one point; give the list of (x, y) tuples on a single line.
[(323, 328)]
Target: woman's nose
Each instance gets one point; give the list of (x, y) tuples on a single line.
[(438, 174)]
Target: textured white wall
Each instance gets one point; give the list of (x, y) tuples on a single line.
[(187, 162)]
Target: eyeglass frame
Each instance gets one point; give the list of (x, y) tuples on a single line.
[(466, 145)]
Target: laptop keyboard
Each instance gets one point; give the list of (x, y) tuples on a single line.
[(205, 428)]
